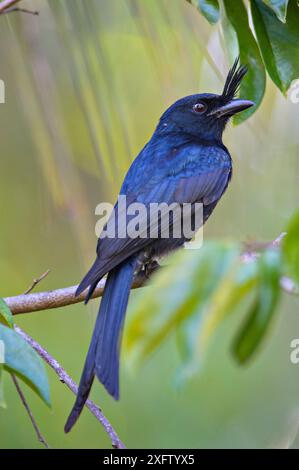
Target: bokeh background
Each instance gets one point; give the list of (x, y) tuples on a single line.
[(86, 82)]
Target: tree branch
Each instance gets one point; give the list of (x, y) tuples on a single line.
[(21, 10), (27, 408), (288, 285), (7, 6), (251, 253), (68, 381), (26, 303)]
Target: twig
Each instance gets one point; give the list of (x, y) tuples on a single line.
[(286, 283), (22, 10), (277, 242), (36, 281), (254, 247), (68, 381), (23, 400), (7, 6)]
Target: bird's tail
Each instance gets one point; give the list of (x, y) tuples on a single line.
[(103, 355)]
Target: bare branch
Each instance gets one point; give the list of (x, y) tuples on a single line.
[(256, 246), (26, 303), (21, 10), (68, 381), (36, 281), (286, 284), (7, 6), (34, 424), (277, 242)]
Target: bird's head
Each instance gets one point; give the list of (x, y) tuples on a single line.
[(205, 115)]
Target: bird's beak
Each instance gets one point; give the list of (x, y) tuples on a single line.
[(233, 107)]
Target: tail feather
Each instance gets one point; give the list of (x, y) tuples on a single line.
[(91, 278), (107, 354), (103, 355), (90, 292), (85, 384)]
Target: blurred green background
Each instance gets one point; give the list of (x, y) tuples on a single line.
[(86, 82)]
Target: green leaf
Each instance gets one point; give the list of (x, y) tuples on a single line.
[(253, 85), (290, 247), (187, 341), (234, 288), (187, 335), (175, 295), (261, 313), (279, 42), (5, 314), (196, 333), (21, 359), (230, 39), (279, 7), (210, 10)]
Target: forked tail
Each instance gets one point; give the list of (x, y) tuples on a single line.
[(103, 355)]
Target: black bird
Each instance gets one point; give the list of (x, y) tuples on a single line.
[(185, 161)]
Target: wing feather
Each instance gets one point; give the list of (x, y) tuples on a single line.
[(196, 179)]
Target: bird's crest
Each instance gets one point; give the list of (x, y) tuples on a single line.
[(233, 80)]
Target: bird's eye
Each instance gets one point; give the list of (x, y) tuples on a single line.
[(200, 107)]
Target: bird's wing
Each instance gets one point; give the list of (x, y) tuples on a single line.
[(196, 178)]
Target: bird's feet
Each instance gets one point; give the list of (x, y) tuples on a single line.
[(150, 267)]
